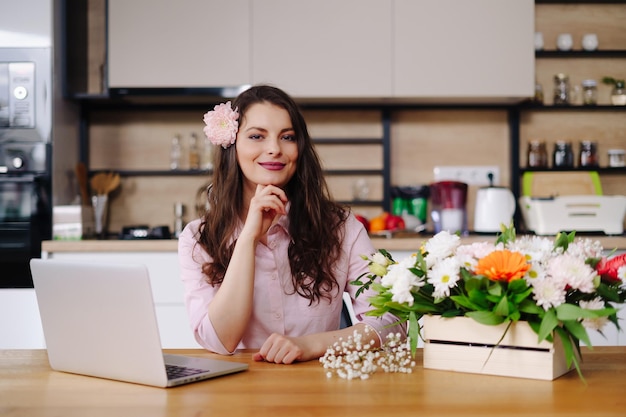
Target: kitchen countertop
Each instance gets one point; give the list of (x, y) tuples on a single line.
[(404, 243)]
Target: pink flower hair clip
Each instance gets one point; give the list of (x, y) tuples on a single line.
[(221, 125)]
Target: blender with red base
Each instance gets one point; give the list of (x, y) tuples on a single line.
[(448, 206)]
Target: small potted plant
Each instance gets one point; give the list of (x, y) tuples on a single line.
[(618, 93)]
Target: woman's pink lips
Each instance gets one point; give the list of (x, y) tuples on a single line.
[(272, 166)]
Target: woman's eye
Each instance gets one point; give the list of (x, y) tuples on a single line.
[(289, 138), (255, 137)]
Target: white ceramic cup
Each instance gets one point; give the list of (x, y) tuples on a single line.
[(590, 42), (564, 42), (538, 41)]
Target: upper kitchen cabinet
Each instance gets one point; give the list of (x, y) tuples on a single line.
[(182, 44), (460, 51), (323, 48)]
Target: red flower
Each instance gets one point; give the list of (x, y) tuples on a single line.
[(607, 268)]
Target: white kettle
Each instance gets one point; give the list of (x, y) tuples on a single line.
[(494, 206)]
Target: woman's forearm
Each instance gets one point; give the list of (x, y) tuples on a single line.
[(230, 309)]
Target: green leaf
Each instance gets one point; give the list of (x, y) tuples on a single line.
[(568, 350), (502, 309), (414, 328), (548, 324), (571, 312), (485, 317), (529, 307), (577, 330)]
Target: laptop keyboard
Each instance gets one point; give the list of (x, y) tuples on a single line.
[(174, 371)]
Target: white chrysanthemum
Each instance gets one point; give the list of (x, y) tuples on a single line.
[(444, 276), (621, 273), (468, 255), (548, 293), (534, 248), (380, 259), (401, 289), (440, 246), (585, 248), (394, 271), (572, 271), (599, 322)]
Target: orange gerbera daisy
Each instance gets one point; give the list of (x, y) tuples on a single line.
[(503, 265)]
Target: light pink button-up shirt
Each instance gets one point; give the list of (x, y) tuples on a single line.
[(277, 309)]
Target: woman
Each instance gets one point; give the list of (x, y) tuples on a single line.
[(266, 266)]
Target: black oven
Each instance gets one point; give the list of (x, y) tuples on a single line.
[(25, 221), (25, 161)]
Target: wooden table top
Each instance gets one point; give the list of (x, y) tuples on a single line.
[(28, 387)]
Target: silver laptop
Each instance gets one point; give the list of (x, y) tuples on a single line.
[(99, 320)]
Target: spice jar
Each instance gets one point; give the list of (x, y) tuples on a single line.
[(537, 154), (563, 156), (617, 158), (561, 89), (588, 154), (590, 92)]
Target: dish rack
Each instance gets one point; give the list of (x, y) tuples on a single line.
[(581, 213)]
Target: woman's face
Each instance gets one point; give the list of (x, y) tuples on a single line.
[(267, 150)]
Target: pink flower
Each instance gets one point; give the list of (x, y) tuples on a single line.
[(221, 125)]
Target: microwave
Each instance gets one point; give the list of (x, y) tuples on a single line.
[(17, 94)]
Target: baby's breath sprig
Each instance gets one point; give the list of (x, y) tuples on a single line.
[(354, 358)]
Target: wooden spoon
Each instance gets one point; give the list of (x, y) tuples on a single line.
[(81, 177)]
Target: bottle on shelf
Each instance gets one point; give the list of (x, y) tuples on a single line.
[(590, 92), (563, 156), (194, 153), (537, 154), (179, 223), (175, 153), (588, 154), (207, 155), (561, 89)]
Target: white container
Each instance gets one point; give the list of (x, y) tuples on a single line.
[(581, 213), (617, 158), (461, 344)]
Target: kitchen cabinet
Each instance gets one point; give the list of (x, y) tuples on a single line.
[(469, 51), (188, 43), (323, 48), (422, 50)]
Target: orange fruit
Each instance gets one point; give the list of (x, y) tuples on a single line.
[(378, 223)]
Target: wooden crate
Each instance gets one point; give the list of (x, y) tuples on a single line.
[(461, 344)]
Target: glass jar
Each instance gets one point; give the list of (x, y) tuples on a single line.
[(617, 158), (537, 154), (588, 154), (590, 92), (618, 94), (563, 156), (561, 89)]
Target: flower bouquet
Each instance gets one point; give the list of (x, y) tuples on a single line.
[(560, 287)]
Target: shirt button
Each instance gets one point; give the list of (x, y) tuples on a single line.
[(274, 276), (273, 245), (277, 315)]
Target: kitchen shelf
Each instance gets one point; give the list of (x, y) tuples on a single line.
[(599, 170), (598, 107), (617, 53), (193, 173)]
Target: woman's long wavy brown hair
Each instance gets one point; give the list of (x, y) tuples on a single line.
[(315, 220)]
